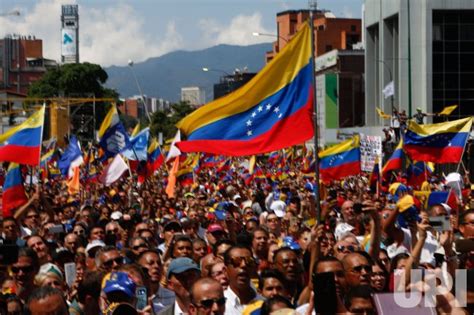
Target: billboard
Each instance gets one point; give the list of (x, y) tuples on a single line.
[(68, 42)]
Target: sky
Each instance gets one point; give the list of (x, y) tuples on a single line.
[(115, 31)]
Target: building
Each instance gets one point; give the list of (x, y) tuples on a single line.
[(70, 33), (133, 106), (194, 95), (435, 39), (340, 91), (330, 32), (231, 82), (21, 63)]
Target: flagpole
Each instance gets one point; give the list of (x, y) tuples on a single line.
[(315, 119)]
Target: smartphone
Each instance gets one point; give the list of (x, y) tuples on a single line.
[(324, 288), (56, 229), (142, 299), (8, 254), (440, 223), (357, 208)]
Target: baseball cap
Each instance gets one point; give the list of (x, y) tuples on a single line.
[(215, 228), (94, 245), (118, 281), (278, 206), (180, 265), (116, 215)]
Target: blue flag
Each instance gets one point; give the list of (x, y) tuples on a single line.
[(71, 157), (138, 146)]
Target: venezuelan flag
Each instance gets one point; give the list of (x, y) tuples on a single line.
[(155, 157), (340, 160), (270, 112), (185, 176), (13, 190), (395, 162), (438, 143), (418, 173), (22, 144), (446, 197)]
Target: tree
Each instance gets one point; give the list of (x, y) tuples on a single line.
[(165, 121), (75, 80)]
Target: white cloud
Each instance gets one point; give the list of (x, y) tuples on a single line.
[(238, 32), (107, 37)]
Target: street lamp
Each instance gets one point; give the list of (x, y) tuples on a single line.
[(270, 35), (216, 70), (130, 65)]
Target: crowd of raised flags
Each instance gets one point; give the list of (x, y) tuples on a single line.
[(257, 136)]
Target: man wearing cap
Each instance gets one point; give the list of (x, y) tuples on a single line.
[(182, 274), (215, 232), (117, 287), (91, 250), (169, 230)]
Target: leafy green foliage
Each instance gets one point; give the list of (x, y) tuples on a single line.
[(165, 121), (84, 80)]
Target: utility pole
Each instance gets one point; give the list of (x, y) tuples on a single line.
[(409, 59)]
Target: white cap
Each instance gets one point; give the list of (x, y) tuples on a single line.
[(279, 207), (94, 244), (237, 197), (116, 215)]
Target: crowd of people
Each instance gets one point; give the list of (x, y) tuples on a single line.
[(224, 245)]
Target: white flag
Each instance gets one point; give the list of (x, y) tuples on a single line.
[(174, 151), (113, 171), (389, 90)]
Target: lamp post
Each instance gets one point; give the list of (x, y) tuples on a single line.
[(270, 35), (216, 70), (130, 65)]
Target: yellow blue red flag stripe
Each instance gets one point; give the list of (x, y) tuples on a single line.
[(22, 144), (438, 143), (340, 160), (270, 112)]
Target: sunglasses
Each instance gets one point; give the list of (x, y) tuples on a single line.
[(210, 302), (26, 269), (366, 268), (137, 247), (343, 248), (237, 261), (109, 263)]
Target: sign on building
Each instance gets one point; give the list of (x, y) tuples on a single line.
[(68, 42)]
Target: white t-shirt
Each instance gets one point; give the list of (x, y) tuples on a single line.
[(427, 253)]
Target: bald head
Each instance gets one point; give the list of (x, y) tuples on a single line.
[(357, 269)]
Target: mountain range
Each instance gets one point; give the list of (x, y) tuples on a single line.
[(164, 76)]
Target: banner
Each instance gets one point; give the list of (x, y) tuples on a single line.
[(370, 150)]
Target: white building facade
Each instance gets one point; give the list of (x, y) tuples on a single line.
[(442, 55)]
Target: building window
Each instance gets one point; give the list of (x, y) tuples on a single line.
[(453, 61), (353, 28), (328, 48)]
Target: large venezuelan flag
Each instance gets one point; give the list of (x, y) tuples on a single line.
[(395, 162), (13, 190), (340, 160), (438, 143), (22, 144), (270, 112)]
